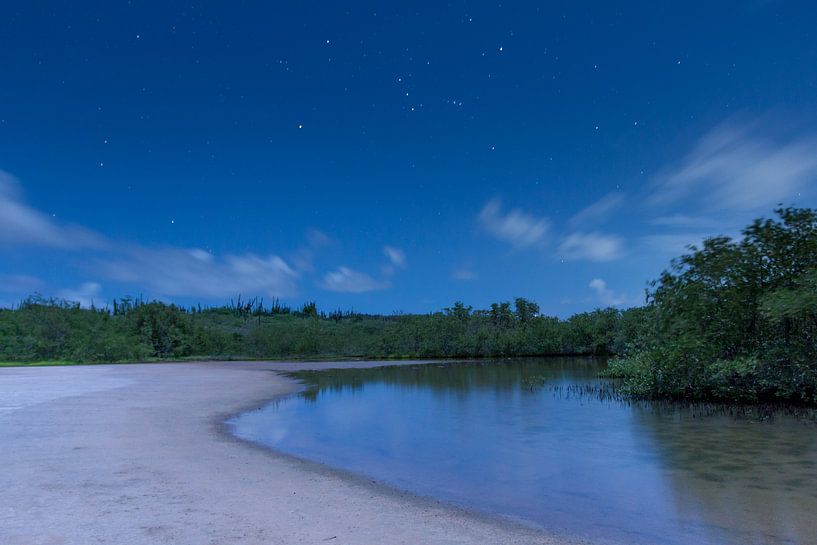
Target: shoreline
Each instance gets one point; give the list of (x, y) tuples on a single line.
[(222, 426), (189, 479)]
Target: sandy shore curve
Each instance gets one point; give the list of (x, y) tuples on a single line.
[(138, 454)]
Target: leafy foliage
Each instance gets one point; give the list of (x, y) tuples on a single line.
[(734, 319), (42, 329)]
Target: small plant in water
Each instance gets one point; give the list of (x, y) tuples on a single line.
[(533, 382)]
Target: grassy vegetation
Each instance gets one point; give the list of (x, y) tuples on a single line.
[(734, 320), (37, 363), (41, 330)]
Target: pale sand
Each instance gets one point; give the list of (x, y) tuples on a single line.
[(138, 454)]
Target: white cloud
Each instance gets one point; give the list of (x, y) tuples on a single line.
[(198, 273), (464, 274), (516, 227), (346, 280), (396, 256), (597, 212), (86, 295), (676, 244), (741, 166), (317, 238), (607, 296), (304, 259), (684, 221), (591, 247), (21, 225), (164, 271)]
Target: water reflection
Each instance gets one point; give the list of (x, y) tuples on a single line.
[(756, 480), (566, 455)]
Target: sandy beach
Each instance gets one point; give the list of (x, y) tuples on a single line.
[(138, 454)]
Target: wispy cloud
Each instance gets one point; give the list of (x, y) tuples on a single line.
[(463, 274), (591, 247), (742, 166), (22, 225), (317, 238), (166, 271), (515, 227), (304, 259), (19, 284), (346, 280), (86, 295), (674, 244), (609, 297), (597, 212), (397, 257), (197, 273), (397, 260), (684, 221)]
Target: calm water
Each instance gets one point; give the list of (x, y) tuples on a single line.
[(474, 435)]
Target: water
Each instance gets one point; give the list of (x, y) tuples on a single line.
[(576, 464)]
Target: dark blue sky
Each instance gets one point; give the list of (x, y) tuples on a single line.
[(392, 158)]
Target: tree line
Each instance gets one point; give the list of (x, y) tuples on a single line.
[(134, 330)]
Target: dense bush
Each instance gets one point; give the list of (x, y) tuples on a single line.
[(57, 330), (734, 319)]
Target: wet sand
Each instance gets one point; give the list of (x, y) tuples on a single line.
[(139, 454)]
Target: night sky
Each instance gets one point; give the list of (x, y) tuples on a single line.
[(392, 158)]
